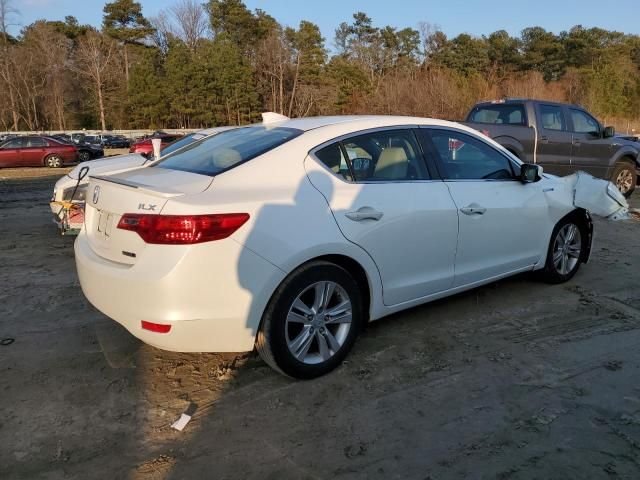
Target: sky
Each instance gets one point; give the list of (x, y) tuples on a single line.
[(476, 17)]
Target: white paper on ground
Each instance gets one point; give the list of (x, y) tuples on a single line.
[(181, 422)]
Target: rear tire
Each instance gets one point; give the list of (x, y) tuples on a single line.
[(311, 322), (566, 252), (53, 161), (84, 156), (624, 177)]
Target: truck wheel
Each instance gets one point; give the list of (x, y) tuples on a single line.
[(624, 177)]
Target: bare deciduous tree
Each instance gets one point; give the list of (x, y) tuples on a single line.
[(95, 60), (191, 21), (7, 13)]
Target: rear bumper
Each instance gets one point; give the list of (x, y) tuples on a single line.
[(212, 294)]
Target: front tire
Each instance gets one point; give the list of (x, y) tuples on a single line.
[(567, 249), (311, 322), (624, 177), (53, 161)]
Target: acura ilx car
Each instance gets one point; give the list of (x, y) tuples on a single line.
[(290, 235)]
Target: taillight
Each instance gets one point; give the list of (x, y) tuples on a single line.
[(182, 229)]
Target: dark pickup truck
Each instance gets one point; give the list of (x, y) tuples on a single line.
[(561, 138)]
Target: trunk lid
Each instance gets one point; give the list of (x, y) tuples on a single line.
[(144, 190)]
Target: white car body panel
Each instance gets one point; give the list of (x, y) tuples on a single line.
[(517, 211), (214, 293), (411, 273)]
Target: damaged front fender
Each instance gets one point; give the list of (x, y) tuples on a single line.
[(599, 197)]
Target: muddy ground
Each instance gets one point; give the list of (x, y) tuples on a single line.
[(514, 380)]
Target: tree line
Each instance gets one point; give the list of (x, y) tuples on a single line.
[(219, 63)]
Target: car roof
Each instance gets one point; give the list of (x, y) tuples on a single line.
[(211, 131), (368, 121), (511, 101)]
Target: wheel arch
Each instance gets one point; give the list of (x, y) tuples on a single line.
[(351, 265), (512, 145), (358, 273), (625, 154), (583, 217)]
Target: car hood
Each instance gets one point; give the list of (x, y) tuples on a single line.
[(108, 165)]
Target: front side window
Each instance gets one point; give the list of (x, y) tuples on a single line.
[(499, 114), (214, 155), (15, 143), (552, 118), (584, 123), (466, 158)]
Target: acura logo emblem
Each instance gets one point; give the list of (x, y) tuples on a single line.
[(96, 194)]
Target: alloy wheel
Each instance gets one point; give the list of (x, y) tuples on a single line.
[(566, 248), (624, 180), (318, 322)]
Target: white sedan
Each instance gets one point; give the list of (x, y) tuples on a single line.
[(292, 234)]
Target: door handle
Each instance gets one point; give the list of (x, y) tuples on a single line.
[(576, 142), (543, 140), (473, 209), (364, 213)]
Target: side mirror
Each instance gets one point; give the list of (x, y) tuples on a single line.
[(608, 132), (530, 173)]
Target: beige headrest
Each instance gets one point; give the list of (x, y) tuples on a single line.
[(226, 157), (392, 164)]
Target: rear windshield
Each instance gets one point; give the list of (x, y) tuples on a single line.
[(213, 155), (504, 114)]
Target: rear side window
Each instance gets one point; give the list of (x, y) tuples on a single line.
[(213, 155), (385, 156), (499, 114), (334, 160), (381, 156), (552, 118), (36, 142)]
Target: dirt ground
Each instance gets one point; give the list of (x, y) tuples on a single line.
[(511, 381)]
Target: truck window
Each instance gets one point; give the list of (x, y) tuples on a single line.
[(552, 118), (583, 123), (502, 114)]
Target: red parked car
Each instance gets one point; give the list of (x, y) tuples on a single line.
[(35, 151), (145, 147)]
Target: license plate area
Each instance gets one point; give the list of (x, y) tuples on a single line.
[(104, 225)]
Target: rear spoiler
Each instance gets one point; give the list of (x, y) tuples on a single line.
[(168, 193)]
